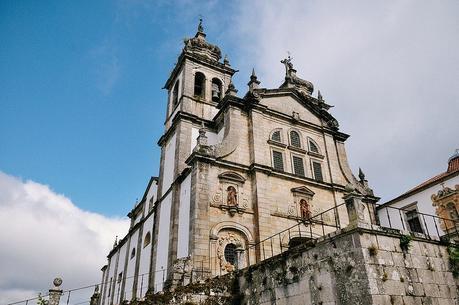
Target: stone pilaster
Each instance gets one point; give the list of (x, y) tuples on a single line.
[(355, 209)]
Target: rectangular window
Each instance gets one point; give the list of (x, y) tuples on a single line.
[(278, 161), (298, 165), (414, 224), (317, 169)]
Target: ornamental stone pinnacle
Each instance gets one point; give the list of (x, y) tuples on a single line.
[(254, 82), (55, 293), (293, 81)]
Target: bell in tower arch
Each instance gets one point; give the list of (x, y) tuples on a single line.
[(216, 90)]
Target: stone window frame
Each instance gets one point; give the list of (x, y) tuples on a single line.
[(147, 239), (133, 251), (281, 135), (175, 94), (203, 89), (292, 154), (220, 86), (313, 175), (277, 143), (222, 229), (313, 153), (409, 208), (284, 163), (300, 137)]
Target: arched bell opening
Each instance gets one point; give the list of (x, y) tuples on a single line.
[(216, 90)]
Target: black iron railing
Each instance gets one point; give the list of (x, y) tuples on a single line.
[(304, 230), (407, 219)]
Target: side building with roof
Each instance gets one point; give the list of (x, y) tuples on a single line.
[(413, 210)]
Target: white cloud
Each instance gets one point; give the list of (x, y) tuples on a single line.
[(45, 235), (390, 68)]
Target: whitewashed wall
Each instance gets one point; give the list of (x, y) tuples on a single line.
[(111, 271), (145, 258), (184, 218), (121, 262), (130, 271), (169, 158), (162, 250), (424, 205)]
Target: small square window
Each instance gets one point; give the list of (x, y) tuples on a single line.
[(278, 161)]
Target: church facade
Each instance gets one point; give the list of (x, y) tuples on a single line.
[(234, 170)]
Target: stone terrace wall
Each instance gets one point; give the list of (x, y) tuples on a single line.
[(359, 266)]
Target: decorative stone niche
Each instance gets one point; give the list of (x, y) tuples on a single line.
[(302, 207), (229, 196)]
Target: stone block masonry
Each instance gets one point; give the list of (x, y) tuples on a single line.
[(358, 266)]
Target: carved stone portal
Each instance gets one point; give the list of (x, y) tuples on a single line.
[(229, 240)]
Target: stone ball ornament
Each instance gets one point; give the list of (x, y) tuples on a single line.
[(349, 188), (57, 281)]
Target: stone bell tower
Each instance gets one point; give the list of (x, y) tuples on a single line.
[(195, 86)]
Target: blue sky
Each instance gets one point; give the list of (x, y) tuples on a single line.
[(82, 105)]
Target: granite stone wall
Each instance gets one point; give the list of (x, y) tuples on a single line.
[(359, 266)]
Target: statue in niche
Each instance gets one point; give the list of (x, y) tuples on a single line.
[(232, 196), (305, 209)]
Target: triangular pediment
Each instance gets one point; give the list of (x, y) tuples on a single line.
[(302, 190)]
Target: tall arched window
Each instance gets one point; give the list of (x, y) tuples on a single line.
[(199, 84), (216, 90), (175, 93), (147, 239), (295, 140)]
